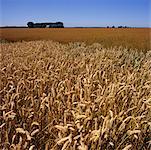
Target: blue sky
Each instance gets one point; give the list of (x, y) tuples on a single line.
[(77, 12)]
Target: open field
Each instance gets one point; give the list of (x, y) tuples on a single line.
[(75, 96), (131, 37)]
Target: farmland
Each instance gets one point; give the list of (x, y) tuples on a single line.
[(131, 37), (75, 96)]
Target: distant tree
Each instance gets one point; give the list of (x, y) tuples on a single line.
[(30, 24), (120, 26), (113, 26), (108, 27)]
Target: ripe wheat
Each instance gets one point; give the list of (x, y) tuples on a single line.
[(74, 97)]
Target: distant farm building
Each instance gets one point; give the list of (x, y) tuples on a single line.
[(45, 25)]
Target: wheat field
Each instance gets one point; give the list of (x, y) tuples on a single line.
[(74, 97), (135, 38)]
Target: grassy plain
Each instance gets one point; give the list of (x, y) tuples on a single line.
[(131, 37), (75, 96)]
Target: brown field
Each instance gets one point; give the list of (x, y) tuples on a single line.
[(132, 37), (75, 96)]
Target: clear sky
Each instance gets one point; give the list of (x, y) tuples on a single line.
[(77, 12)]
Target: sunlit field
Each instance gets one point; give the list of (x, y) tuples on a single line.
[(130, 37), (75, 96)]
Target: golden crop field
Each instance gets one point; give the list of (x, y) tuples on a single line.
[(75, 96), (130, 37)]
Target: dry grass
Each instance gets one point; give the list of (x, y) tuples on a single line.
[(132, 37), (74, 97)]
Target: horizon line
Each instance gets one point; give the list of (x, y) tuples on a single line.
[(7, 26)]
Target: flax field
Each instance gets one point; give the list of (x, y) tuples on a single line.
[(74, 96)]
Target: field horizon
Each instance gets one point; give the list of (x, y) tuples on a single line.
[(138, 38)]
